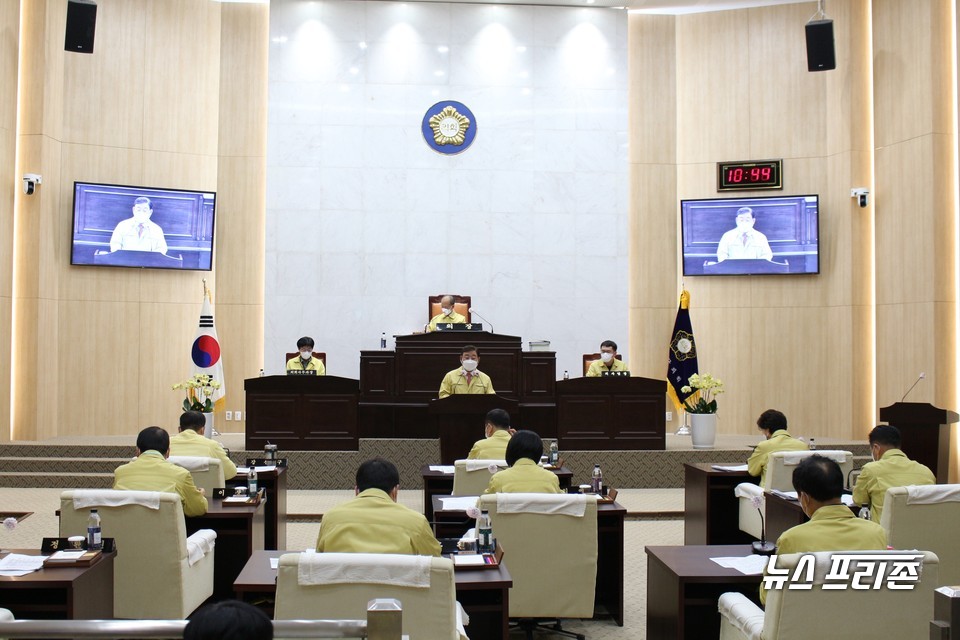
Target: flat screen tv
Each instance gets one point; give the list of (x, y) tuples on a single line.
[(750, 236), (145, 227)]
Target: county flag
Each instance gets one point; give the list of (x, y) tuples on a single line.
[(683, 354), (205, 351)]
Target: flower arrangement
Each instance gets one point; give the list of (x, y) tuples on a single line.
[(708, 386), (198, 390)]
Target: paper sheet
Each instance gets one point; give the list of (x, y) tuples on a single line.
[(458, 503), (751, 565), (789, 495), (442, 468), (66, 556), (242, 471), (729, 467), (471, 560), (21, 562)]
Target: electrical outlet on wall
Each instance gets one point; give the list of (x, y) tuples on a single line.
[(237, 414), (229, 416), (669, 416)]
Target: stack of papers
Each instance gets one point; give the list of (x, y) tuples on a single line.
[(729, 467), (459, 503), (66, 556), (242, 471), (442, 468), (17, 564), (752, 565)]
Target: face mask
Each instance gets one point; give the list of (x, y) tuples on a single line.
[(141, 216), (446, 311), (606, 357), (306, 354), (469, 365), (744, 226)]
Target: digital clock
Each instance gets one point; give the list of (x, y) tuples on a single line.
[(759, 174)]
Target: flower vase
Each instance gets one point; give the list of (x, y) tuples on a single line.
[(208, 429), (703, 430)]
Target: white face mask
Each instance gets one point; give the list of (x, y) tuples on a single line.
[(606, 357), (306, 354), (445, 311), (141, 216), (469, 365)]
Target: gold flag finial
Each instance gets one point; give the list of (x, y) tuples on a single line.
[(684, 299)]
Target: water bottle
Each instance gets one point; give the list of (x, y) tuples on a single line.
[(813, 444), (383, 340), (252, 481), (596, 480), (566, 374), (864, 512), (94, 541), (485, 542), (554, 453)]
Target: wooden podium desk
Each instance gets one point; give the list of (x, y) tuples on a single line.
[(610, 517), (484, 593), (240, 532), (611, 413), (274, 485), (711, 511), (70, 593), (684, 585)]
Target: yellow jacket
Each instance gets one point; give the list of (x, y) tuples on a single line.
[(525, 476), (779, 441), (456, 382), (373, 523), (316, 364), (597, 367), (151, 472), (190, 443), (893, 469), (492, 448), (454, 318)]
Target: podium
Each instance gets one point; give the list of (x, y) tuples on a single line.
[(459, 421), (302, 413), (611, 413), (744, 267), (925, 434)]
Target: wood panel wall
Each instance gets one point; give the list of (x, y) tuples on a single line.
[(9, 46)]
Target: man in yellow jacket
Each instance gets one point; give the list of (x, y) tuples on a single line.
[(373, 522), (525, 475), (151, 472), (191, 441), (447, 315), (608, 360), (496, 432), (773, 426), (305, 361), (466, 378), (890, 468)]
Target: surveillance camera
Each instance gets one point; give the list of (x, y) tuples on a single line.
[(862, 194), (30, 182)]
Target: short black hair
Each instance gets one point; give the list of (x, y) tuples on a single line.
[(143, 200), (229, 619), (192, 420), (819, 477), (885, 434), (153, 439), (305, 341), (524, 444), (468, 348), (609, 343), (377, 473), (498, 418), (772, 420)]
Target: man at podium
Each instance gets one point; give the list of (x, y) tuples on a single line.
[(305, 361), (744, 242), (607, 362), (447, 315), (467, 378), (496, 437), (138, 232)]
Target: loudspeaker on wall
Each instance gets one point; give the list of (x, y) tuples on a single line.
[(820, 51), (81, 26)]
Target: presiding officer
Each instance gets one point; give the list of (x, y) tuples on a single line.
[(151, 472), (373, 522), (466, 378), (305, 361), (447, 315), (525, 475), (607, 362), (192, 442)]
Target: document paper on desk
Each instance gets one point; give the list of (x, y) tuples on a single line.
[(752, 565), (459, 503), (442, 468), (729, 467), (18, 564), (242, 471)]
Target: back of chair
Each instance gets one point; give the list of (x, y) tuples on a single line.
[(590, 358), (208, 478), (428, 613), (548, 549), (151, 553), (467, 482), (925, 526), (852, 613), (780, 466), (461, 305)]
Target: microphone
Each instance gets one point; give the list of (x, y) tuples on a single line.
[(919, 378), (489, 324)]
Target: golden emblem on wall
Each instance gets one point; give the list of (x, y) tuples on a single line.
[(449, 126)]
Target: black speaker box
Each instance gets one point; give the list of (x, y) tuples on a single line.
[(820, 52), (81, 25)]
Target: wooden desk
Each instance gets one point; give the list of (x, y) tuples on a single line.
[(711, 511), (240, 532), (684, 585), (484, 593), (438, 483), (620, 414), (71, 593), (274, 484), (610, 516)]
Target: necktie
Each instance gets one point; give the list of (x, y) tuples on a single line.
[(140, 228), (469, 376), (743, 238)]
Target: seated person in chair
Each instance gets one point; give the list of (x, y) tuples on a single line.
[(832, 526), (608, 360), (890, 468), (466, 378), (373, 522), (525, 475), (773, 426), (305, 361), (151, 472), (447, 315), (496, 436), (192, 442)]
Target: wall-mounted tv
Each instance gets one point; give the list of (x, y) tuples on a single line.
[(146, 227), (750, 236)]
